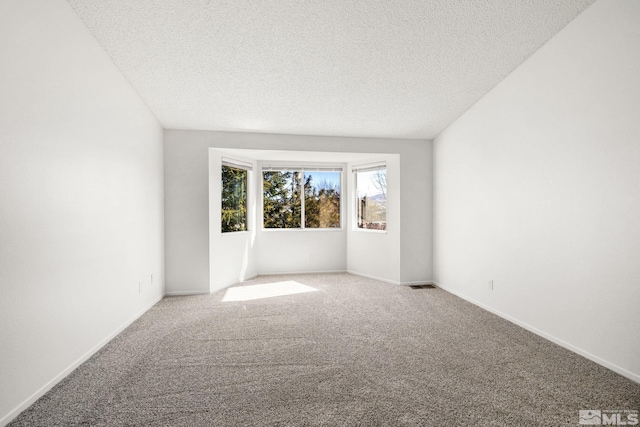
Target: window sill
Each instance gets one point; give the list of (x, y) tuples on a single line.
[(235, 233), (312, 230), (368, 230)]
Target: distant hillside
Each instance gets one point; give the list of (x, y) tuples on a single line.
[(378, 198)]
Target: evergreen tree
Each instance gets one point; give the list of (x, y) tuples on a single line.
[(234, 199), (321, 204), (281, 199)]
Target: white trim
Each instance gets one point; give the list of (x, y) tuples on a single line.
[(355, 170), (235, 233), (303, 203), (306, 229), (369, 276), (293, 273), (417, 282), (62, 375), (237, 164), (368, 230), (300, 168), (615, 368), (368, 167), (181, 293), (393, 282)]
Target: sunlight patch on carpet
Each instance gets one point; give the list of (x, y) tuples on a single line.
[(266, 290)]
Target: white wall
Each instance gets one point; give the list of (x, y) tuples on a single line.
[(231, 255), (301, 251), (537, 187), (186, 200), (416, 216), (377, 254), (81, 206)]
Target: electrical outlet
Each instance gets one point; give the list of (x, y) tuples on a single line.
[(139, 287), (491, 284), (151, 282)]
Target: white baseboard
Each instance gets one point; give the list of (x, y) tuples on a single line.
[(369, 276), (393, 282), (615, 368), (418, 282), (48, 386), (292, 273), (184, 293)]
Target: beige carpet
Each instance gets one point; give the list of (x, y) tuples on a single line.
[(355, 352)]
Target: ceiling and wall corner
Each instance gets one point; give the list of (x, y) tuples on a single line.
[(337, 68)]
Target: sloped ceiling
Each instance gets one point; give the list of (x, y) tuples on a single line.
[(373, 68)]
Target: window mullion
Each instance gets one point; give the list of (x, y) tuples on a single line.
[(301, 186)]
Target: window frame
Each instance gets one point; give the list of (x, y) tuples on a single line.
[(354, 172), (301, 168), (248, 168)]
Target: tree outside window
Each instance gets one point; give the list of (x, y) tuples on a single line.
[(301, 199), (371, 199), (234, 199), (321, 199), (282, 205)]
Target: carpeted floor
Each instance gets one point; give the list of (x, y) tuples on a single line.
[(356, 352)]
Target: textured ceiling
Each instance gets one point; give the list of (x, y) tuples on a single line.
[(376, 68)]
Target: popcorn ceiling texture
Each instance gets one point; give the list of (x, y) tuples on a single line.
[(403, 69)]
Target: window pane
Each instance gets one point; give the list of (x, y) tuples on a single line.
[(234, 199), (321, 199), (282, 199), (371, 208)]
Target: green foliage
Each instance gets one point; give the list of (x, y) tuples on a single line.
[(321, 205), (234, 199), (282, 205)]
